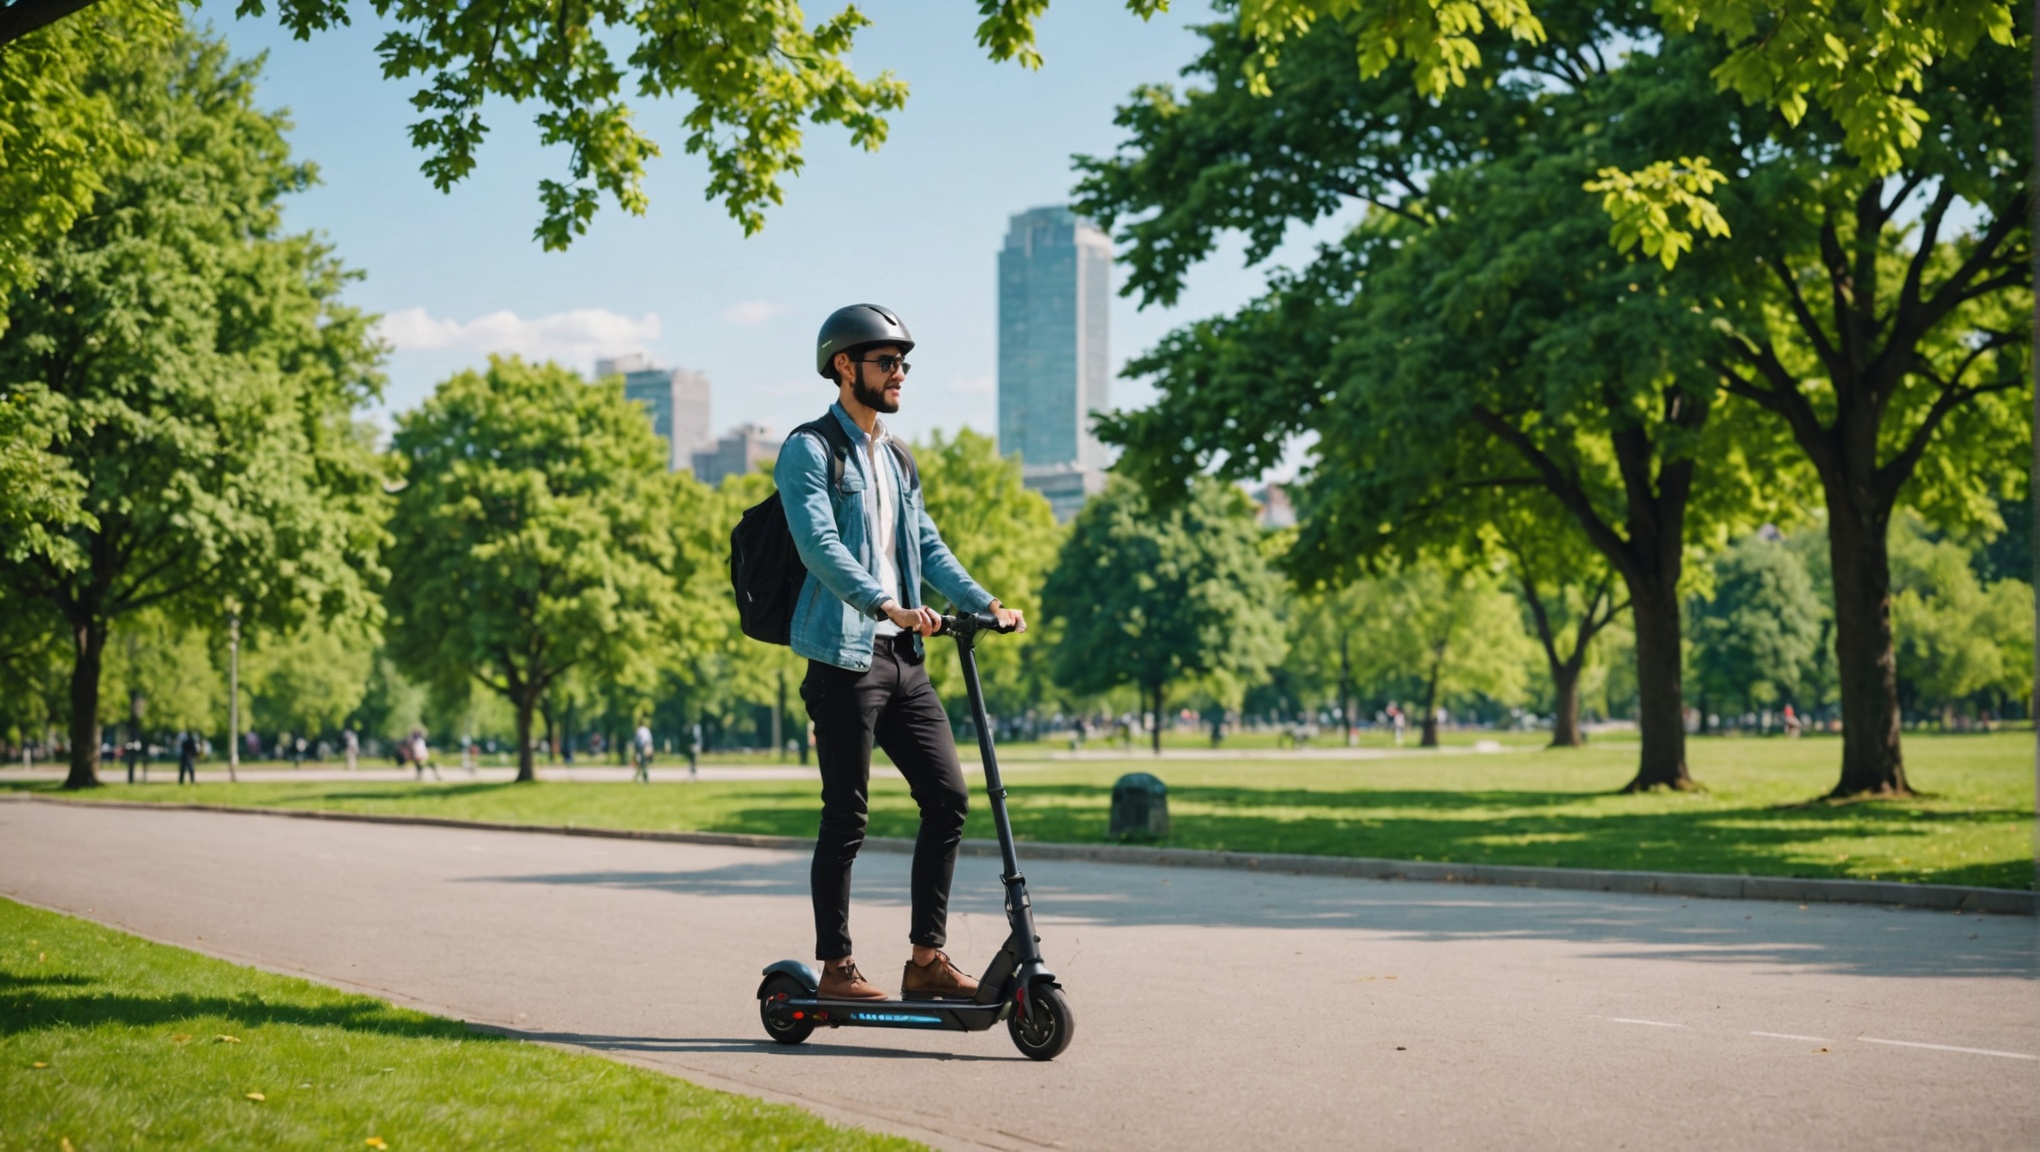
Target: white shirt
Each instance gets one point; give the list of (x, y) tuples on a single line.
[(881, 520)]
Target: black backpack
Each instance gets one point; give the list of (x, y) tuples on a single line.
[(766, 571)]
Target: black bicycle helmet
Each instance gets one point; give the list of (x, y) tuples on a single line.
[(848, 329)]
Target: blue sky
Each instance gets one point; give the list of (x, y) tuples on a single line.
[(916, 226)]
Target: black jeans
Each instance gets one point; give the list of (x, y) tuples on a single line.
[(894, 705)]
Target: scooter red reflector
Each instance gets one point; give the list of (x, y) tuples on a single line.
[(800, 1015)]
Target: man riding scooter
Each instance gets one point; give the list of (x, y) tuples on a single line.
[(854, 508)]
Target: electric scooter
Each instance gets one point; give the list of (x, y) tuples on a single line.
[(1017, 987)]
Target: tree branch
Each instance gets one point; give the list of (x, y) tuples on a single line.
[(1955, 290), (1568, 492), (24, 16), (1829, 356), (1354, 191), (1930, 236), (1893, 475)]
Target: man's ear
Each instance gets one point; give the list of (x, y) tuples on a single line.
[(843, 365)]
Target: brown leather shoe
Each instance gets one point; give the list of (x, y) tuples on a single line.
[(938, 979), (842, 981)]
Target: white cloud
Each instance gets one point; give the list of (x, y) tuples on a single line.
[(971, 385), (751, 313), (574, 337)]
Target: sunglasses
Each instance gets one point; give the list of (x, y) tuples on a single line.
[(889, 364)]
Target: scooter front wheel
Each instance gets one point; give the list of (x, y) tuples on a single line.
[(1043, 1027), (778, 1024)]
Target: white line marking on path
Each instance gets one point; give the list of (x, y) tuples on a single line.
[(1790, 1036), (1949, 1048), (1626, 1020)]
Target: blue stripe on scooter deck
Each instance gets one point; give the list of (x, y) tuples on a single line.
[(896, 1018)]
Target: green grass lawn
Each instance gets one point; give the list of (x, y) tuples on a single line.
[(110, 1041), (1973, 825)]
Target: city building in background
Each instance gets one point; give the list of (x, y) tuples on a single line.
[(1055, 361), (740, 450), (677, 401)]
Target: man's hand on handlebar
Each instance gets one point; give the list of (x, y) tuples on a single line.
[(1010, 619), (924, 620)]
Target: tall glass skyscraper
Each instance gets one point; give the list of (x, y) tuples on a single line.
[(1055, 360)]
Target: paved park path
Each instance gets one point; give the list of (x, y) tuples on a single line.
[(1215, 1010)]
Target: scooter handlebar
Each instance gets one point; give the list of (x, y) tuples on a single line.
[(965, 624)]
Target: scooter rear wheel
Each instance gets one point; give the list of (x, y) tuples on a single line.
[(781, 1028), (1044, 1029)]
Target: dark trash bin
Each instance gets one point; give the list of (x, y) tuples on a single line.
[(1140, 807)]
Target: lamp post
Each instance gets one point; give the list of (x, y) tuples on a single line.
[(234, 697)]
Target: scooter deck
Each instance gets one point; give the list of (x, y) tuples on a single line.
[(939, 1015)]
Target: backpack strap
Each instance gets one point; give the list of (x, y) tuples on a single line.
[(906, 459), (837, 440), (832, 434)]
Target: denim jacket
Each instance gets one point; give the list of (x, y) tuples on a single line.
[(837, 615)]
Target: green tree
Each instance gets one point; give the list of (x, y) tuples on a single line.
[(160, 677), (1892, 350), (726, 676), (307, 680), (33, 669), (755, 72), (200, 372), (1567, 590), (1006, 537), (534, 535), (1429, 635), (1474, 334), (1959, 640), (1154, 597), (62, 132), (391, 703), (1757, 636)]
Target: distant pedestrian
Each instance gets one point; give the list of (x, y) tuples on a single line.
[(1791, 722), (421, 755), (350, 744), (643, 744), (187, 758), (1399, 722), (694, 750)]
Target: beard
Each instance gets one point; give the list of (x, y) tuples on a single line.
[(872, 398)]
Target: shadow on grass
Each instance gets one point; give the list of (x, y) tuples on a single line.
[(32, 1002), (414, 791), (1537, 828)]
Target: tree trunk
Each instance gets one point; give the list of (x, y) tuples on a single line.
[(1430, 737), (89, 643), (1565, 709), (1867, 667), (1660, 704), (136, 749), (1157, 738), (526, 705)]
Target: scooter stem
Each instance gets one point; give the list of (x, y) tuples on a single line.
[(995, 788), (1024, 944)]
